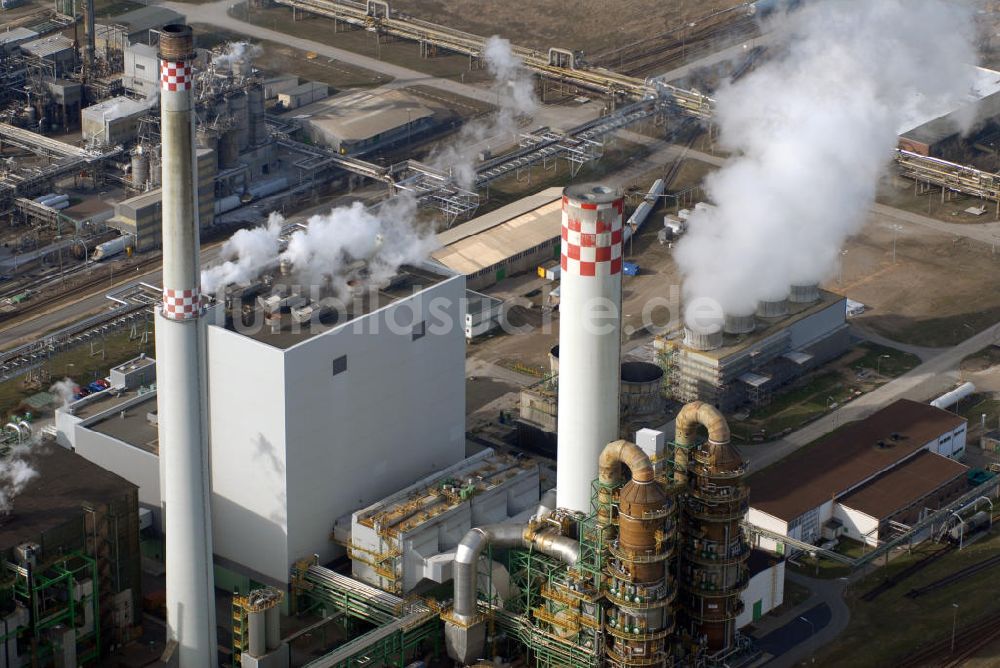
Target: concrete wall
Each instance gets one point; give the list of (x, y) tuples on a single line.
[(138, 466), (950, 444), (248, 441), (294, 447), (767, 588), (769, 522), (808, 330), (857, 525), (396, 415)]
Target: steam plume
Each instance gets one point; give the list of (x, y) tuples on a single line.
[(15, 474), (246, 254), (64, 390), (811, 132), (384, 239), (236, 53), (515, 90)]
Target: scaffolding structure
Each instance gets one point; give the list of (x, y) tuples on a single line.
[(59, 594)]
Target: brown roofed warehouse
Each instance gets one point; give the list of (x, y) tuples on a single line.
[(857, 479)]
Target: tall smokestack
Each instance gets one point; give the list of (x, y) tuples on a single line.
[(589, 337), (180, 353)]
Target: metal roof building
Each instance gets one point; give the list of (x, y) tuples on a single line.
[(514, 238), (862, 475)]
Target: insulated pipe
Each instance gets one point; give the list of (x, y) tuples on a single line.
[(546, 505), (272, 627), (687, 421), (180, 348), (612, 457), (500, 536)]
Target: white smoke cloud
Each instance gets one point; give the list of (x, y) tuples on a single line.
[(63, 389), (811, 133), (15, 474), (515, 88), (237, 53), (245, 255), (383, 238)]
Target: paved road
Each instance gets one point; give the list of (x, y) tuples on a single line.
[(935, 376), (987, 232), (791, 640), (216, 13)]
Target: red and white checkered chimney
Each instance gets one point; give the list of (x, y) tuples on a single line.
[(180, 370), (589, 337)]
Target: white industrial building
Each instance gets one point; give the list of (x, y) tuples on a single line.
[(410, 537), (766, 588), (890, 466), (306, 426), (309, 426)]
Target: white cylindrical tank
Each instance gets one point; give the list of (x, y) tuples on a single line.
[(589, 337), (953, 397)]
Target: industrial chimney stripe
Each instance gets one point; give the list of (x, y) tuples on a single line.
[(592, 238), (175, 75), (181, 304)]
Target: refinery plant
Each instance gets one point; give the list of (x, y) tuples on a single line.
[(336, 334)]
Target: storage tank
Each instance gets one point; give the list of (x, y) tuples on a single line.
[(229, 152), (241, 119), (950, 398), (258, 122), (641, 383), (772, 308), (140, 168), (110, 248)]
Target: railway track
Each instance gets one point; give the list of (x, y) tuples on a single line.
[(894, 580), (955, 577), (968, 641)]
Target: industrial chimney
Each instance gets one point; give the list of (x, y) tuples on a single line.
[(589, 337), (180, 352)]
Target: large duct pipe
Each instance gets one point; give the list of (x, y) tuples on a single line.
[(589, 337), (686, 425), (613, 456), (464, 634), (180, 351)]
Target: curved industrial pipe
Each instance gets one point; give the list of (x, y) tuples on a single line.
[(500, 536), (546, 505), (612, 457), (687, 421)]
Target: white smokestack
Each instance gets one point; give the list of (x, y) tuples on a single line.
[(589, 337), (811, 132), (180, 370)]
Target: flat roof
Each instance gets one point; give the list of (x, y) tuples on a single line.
[(846, 458), (919, 111), (46, 46), (408, 281), (120, 105), (902, 485), (359, 115), (19, 34), (490, 239), (65, 483), (736, 343), (132, 428)]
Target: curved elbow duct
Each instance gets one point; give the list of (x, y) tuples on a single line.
[(546, 505), (612, 457), (687, 421), (500, 536)]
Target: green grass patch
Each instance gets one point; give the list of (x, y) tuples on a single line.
[(892, 626), (82, 363), (885, 361)]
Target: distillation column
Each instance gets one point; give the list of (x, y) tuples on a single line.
[(180, 354), (589, 337), (639, 586), (714, 551)]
